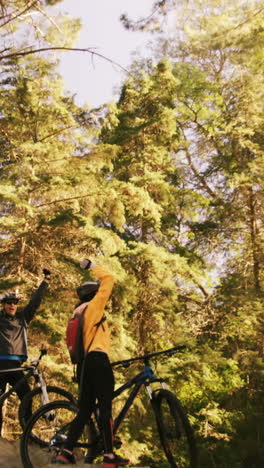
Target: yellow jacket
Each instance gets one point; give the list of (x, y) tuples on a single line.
[(95, 311)]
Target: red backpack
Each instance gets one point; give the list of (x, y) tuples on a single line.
[(74, 336)]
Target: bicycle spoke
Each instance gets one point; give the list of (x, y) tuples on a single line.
[(33, 401), (51, 427)]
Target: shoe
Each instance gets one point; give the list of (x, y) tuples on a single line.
[(93, 452), (65, 458), (114, 462)]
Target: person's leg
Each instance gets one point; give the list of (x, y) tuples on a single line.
[(91, 429), (85, 403), (22, 390), (2, 390), (104, 387), (10, 378), (3, 381), (103, 381)]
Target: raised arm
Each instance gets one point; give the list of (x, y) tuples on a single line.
[(36, 298)]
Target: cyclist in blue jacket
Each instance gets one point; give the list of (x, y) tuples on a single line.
[(13, 337)]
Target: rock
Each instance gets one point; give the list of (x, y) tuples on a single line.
[(9, 454)]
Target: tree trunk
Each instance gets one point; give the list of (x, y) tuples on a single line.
[(254, 239)]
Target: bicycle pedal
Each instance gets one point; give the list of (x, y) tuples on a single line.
[(58, 440), (50, 416)]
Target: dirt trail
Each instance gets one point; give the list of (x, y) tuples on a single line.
[(10, 457)]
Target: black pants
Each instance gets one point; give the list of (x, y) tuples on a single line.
[(97, 382), (12, 378)]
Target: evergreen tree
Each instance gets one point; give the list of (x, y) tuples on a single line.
[(143, 128), (168, 189), (216, 52)]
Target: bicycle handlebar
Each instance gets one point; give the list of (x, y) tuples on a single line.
[(33, 364), (36, 361), (146, 357)]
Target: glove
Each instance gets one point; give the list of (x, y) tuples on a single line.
[(46, 273), (85, 264)]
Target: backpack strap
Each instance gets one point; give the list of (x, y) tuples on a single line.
[(97, 325), (103, 319), (74, 378)]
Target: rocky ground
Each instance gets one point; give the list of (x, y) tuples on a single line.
[(10, 457), (9, 454)]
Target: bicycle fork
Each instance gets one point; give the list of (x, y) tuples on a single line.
[(50, 416), (42, 384), (149, 389)]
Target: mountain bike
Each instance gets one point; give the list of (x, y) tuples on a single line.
[(175, 433), (40, 395)]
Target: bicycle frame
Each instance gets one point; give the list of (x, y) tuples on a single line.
[(171, 421), (32, 372), (14, 388), (146, 377)]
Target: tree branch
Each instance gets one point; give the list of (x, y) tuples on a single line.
[(45, 49), (136, 25), (196, 172), (192, 299), (65, 199), (49, 18), (61, 130), (199, 176), (19, 14)]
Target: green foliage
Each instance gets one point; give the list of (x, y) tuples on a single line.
[(165, 188)]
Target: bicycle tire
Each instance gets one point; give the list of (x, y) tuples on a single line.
[(50, 425), (33, 399), (175, 432), (53, 432)]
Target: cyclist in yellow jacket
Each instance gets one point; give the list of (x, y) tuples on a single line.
[(96, 379)]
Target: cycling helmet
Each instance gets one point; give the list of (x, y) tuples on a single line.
[(87, 291), (10, 296)]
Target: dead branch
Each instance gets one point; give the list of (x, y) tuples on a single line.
[(65, 199), (45, 49), (12, 18)]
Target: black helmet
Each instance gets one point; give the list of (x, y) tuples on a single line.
[(10, 296), (87, 291)]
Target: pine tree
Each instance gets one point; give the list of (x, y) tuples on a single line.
[(216, 51)]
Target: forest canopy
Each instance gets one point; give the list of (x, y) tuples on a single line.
[(164, 187)]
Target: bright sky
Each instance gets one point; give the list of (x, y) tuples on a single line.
[(95, 81)]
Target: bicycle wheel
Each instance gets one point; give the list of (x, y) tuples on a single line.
[(32, 401), (50, 426), (175, 432)]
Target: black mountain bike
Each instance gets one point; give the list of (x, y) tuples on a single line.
[(175, 433), (40, 395)]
